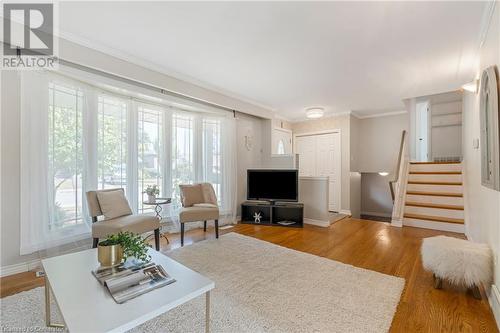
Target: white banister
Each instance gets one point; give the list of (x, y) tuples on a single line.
[(398, 185)]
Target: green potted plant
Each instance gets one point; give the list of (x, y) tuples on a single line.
[(152, 191), (122, 246)]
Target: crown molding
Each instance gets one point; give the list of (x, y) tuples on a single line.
[(488, 12), (385, 114)]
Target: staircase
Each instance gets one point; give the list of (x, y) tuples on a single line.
[(434, 196)]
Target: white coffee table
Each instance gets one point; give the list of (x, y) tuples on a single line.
[(86, 306)]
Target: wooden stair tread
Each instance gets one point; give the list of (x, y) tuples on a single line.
[(435, 194), (435, 172), (434, 218), (455, 162), (431, 205), (420, 182)]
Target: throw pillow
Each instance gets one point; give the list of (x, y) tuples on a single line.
[(113, 204), (191, 194)]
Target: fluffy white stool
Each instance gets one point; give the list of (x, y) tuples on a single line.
[(459, 261)]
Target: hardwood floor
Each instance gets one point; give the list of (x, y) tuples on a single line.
[(367, 244)]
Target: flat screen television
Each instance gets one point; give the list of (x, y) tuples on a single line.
[(272, 184)]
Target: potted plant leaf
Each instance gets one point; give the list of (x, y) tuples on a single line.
[(152, 191), (122, 246)]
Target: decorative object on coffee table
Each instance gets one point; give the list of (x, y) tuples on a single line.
[(152, 191), (459, 261), (124, 245), (158, 208)]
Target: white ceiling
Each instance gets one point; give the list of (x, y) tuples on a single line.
[(359, 56)]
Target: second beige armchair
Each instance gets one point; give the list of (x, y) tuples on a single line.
[(199, 203)]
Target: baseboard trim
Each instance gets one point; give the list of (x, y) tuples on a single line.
[(319, 223), (494, 300), (345, 211), (19, 268)]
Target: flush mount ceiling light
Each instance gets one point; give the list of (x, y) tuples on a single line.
[(383, 173), (471, 86), (315, 113)]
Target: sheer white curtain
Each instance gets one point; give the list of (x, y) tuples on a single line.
[(52, 180), (228, 140), (76, 137)]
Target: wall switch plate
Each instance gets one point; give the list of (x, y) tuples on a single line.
[(475, 143)]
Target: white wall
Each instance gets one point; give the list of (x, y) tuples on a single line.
[(482, 205), (379, 142), (10, 138), (247, 158), (376, 195), (446, 130)]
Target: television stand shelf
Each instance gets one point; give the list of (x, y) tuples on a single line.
[(285, 214)]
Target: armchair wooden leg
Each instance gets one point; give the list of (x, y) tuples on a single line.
[(182, 234), (216, 228), (157, 239), (205, 226), (95, 241)]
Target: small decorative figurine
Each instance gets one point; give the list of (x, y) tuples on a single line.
[(257, 217)]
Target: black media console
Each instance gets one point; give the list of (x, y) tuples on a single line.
[(289, 214)]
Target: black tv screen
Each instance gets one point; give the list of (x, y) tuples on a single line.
[(278, 185)]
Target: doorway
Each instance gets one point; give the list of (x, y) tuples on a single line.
[(422, 131)]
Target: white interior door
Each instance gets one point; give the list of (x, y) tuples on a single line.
[(306, 148), (282, 142), (319, 156), (422, 130), (328, 156)]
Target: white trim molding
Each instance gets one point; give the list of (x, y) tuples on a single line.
[(376, 115), (346, 212), (494, 300), (319, 223), (20, 268)]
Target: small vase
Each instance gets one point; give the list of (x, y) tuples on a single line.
[(110, 255), (151, 198)]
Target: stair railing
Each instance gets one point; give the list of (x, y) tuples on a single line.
[(398, 184)]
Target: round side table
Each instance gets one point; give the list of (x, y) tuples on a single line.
[(158, 203)]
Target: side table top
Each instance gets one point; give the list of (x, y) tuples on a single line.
[(158, 201)]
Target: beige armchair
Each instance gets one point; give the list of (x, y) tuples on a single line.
[(199, 203), (118, 216)]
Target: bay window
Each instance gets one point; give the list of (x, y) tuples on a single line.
[(77, 137)]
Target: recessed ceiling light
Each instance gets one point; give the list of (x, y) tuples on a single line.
[(383, 173), (315, 113)]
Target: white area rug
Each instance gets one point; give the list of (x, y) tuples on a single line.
[(259, 287)]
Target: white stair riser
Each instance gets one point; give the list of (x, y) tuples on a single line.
[(454, 227), (436, 167), (459, 201), (438, 212), (435, 178), (434, 188)]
